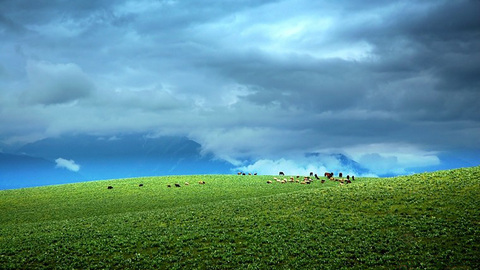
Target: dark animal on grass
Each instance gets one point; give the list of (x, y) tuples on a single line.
[(109, 187), (141, 185), (269, 181), (201, 182), (169, 185), (239, 173), (243, 173), (323, 181), (177, 185), (311, 173), (340, 175), (316, 177), (281, 173), (348, 176), (353, 177), (255, 174)]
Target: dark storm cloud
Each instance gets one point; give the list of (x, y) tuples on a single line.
[(247, 78), (56, 84)]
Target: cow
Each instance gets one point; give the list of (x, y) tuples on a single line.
[(353, 177), (316, 177), (239, 173), (109, 187), (269, 181), (177, 185), (348, 177), (323, 181), (281, 173), (340, 175), (169, 185), (311, 173), (201, 182), (186, 184), (141, 185)]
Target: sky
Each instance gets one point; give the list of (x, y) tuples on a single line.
[(393, 85)]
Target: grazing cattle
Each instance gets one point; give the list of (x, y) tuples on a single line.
[(269, 181), (281, 173), (340, 175), (243, 173), (186, 184), (353, 177), (316, 177), (349, 182), (109, 187), (249, 173), (311, 173), (348, 176), (201, 182), (239, 173), (177, 185), (298, 176), (323, 181), (169, 185), (141, 185), (255, 174)]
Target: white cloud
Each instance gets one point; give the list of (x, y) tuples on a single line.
[(300, 166), (67, 164)]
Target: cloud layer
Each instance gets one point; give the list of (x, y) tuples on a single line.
[(391, 84), (67, 164)]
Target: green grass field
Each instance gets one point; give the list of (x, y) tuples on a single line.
[(422, 221)]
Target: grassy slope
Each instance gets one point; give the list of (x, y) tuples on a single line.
[(429, 220)]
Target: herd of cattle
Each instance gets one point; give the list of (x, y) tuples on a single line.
[(306, 179)]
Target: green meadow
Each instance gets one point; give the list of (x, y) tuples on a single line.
[(421, 221)]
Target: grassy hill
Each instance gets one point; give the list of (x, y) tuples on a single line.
[(424, 221)]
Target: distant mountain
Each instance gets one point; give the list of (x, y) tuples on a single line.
[(340, 162), (17, 171), (128, 156)]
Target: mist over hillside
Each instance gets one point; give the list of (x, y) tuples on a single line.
[(85, 157), (77, 158)]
